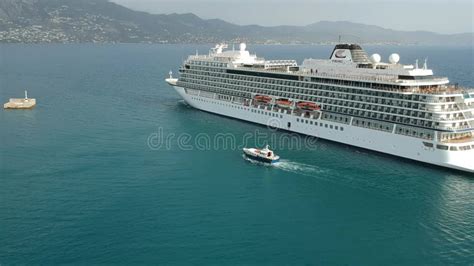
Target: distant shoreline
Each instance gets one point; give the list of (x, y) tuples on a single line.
[(99, 21)]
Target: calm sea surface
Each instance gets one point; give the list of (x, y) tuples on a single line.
[(81, 182)]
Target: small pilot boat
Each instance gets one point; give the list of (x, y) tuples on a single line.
[(262, 155)]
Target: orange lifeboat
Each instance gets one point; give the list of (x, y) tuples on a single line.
[(263, 98), (284, 103), (308, 106)]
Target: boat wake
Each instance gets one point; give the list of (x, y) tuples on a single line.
[(290, 166), (298, 168)]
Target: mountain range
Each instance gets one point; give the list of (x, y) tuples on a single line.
[(70, 21)]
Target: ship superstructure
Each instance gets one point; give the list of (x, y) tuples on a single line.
[(403, 110)]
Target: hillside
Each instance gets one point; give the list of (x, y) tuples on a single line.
[(66, 21)]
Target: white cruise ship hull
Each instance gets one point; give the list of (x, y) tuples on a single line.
[(380, 141)]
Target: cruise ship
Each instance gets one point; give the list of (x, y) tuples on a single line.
[(350, 98)]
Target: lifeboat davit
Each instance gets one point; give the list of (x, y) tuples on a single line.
[(263, 98), (308, 106), (284, 103)]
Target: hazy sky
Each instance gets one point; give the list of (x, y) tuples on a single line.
[(444, 16)]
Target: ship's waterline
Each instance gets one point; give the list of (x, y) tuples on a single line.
[(402, 110)]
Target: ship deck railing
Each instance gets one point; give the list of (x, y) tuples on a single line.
[(447, 89), (352, 77), (379, 78), (454, 128), (412, 88), (435, 89)]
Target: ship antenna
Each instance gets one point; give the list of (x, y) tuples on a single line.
[(425, 65), (26, 94), (339, 38), (416, 64)]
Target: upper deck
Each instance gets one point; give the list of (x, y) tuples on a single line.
[(347, 63)]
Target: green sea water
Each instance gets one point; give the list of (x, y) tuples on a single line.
[(84, 179)]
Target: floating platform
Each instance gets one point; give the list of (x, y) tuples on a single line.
[(18, 103)]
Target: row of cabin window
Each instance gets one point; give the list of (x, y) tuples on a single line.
[(355, 112), (243, 108), (381, 116), (414, 132), (262, 77), (452, 148), (411, 97), (387, 105), (306, 121), (357, 122), (266, 113), (344, 103), (207, 63)]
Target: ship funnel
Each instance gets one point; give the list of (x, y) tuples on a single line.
[(350, 52)]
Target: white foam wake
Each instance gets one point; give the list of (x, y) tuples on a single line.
[(298, 168), (290, 166)]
